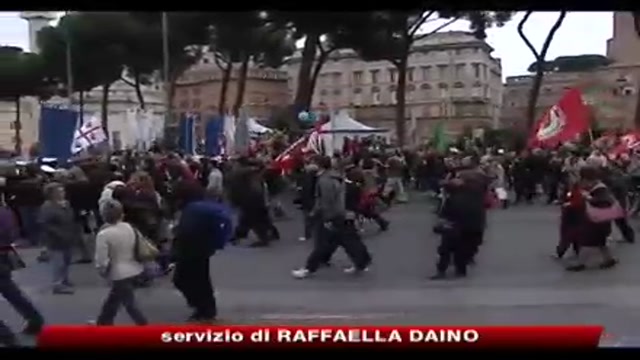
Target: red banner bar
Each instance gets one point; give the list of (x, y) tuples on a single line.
[(312, 336)]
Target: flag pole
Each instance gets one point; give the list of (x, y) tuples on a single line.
[(166, 68)]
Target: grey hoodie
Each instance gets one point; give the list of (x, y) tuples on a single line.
[(330, 196)]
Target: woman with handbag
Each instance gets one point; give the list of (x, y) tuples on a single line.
[(598, 210), (10, 261), (117, 259)]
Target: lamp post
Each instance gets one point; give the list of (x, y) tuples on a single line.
[(69, 64), (166, 68)]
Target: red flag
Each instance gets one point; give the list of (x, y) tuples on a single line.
[(628, 142), (562, 122)]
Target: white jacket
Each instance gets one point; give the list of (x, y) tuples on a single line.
[(107, 192), (115, 252)]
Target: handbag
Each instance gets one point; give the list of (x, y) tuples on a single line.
[(605, 214), (144, 250)]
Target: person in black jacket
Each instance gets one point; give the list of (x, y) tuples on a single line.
[(463, 220)]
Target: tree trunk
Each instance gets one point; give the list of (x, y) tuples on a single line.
[(636, 117), (226, 76), (314, 75), (400, 101), (540, 59), (17, 126), (137, 86), (104, 108), (242, 82), (81, 106), (534, 93), (303, 91)]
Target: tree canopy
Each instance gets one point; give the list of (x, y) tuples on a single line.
[(576, 63), (106, 45)]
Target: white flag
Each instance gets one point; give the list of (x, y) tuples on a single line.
[(229, 133), (90, 133), (146, 128), (131, 120), (158, 126)]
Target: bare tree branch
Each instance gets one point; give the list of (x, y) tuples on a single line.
[(219, 60), (422, 36), (413, 28), (524, 37), (552, 33), (127, 81)]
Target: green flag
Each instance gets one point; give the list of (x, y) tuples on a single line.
[(440, 138)]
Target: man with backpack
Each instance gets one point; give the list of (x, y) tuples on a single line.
[(205, 227)]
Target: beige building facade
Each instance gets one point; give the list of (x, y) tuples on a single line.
[(610, 91), (451, 77), (198, 90)]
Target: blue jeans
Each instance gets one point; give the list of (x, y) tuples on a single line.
[(29, 218), (60, 262)]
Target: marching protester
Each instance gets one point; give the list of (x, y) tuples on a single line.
[(59, 233), (10, 261), (116, 261), (336, 229), (204, 228), (599, 208)]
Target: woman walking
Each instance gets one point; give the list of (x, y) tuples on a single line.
[(116, 261)]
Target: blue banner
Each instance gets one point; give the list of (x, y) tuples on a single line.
[(57, 126), (187, 138), (214, 136)]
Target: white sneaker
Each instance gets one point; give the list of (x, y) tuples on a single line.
[(300, 273), (302, 238), (354, 270)]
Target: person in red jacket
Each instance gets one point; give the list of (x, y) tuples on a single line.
[(571, 222)]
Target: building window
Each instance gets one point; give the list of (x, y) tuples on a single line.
[(357, 77), (205, 61), (425, 87), (196, 91), (336, 92), (12, 125), (458, 85), (184, 104), (374, 76), (357, 91), (410, 74), (409, 95), (116, 140), (357, 99), (443, 85), (458, 51), (426, 72), (442, 71), (476, 70), (375, 98), (392, 75), (323, 92), (394, 95), (196, 103), (485, 71), (459, 70), (337, 78)]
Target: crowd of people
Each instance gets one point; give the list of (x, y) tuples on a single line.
[(182, 207)]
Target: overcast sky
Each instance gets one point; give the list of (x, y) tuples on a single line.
[(581, 33)]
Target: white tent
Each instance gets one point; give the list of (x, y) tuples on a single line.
[(341, 126), (255, 128)]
